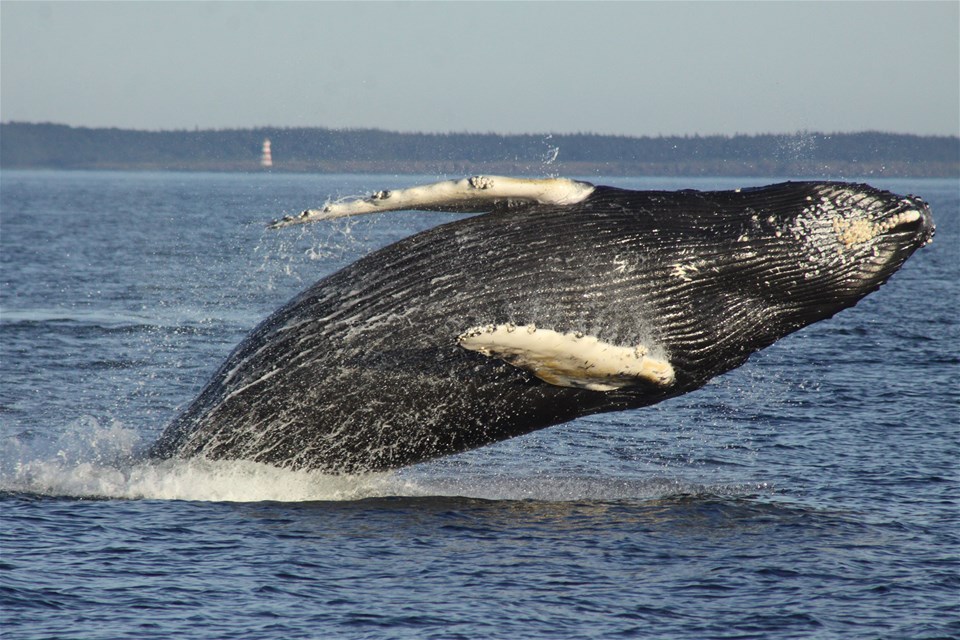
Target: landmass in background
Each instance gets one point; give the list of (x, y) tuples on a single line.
[(55, 146)]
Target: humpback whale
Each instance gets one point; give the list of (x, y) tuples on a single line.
[(559, 300)]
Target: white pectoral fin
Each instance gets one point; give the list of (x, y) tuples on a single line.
[(569, 360), (476, 194)]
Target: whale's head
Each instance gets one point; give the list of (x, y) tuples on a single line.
[(836, 245), (772, 260)]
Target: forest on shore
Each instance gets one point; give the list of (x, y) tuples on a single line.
[(324, 150)]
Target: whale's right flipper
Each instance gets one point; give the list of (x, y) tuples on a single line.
[(469, 195)]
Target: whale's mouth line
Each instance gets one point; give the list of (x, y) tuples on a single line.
[(912, 222), (915, 218), (908, 223), (900, 219)]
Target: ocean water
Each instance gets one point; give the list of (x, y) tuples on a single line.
[(813, 493)]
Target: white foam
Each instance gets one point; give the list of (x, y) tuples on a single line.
[(202, 480), (90, 460)]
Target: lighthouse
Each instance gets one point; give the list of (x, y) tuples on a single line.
[(266, 160)]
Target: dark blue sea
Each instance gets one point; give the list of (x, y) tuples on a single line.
[(813, 493)]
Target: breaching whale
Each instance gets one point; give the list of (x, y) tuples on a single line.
[(562, 299)]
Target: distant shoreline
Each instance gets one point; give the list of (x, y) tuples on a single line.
[(583, 170), (318, 150)]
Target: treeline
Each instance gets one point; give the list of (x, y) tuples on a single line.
[(27, 145)]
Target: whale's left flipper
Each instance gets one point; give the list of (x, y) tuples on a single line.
[(469, 195), (569, 359)]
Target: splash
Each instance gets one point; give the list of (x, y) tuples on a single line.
[(200, 480), (549, 157), (90, 460), (282, 255), (242, 481)]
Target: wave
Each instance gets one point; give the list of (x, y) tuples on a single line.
[(113, 320)]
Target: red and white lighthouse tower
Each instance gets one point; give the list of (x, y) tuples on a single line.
[(266, 160)]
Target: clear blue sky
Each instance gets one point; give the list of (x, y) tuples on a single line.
[(632, 68)]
